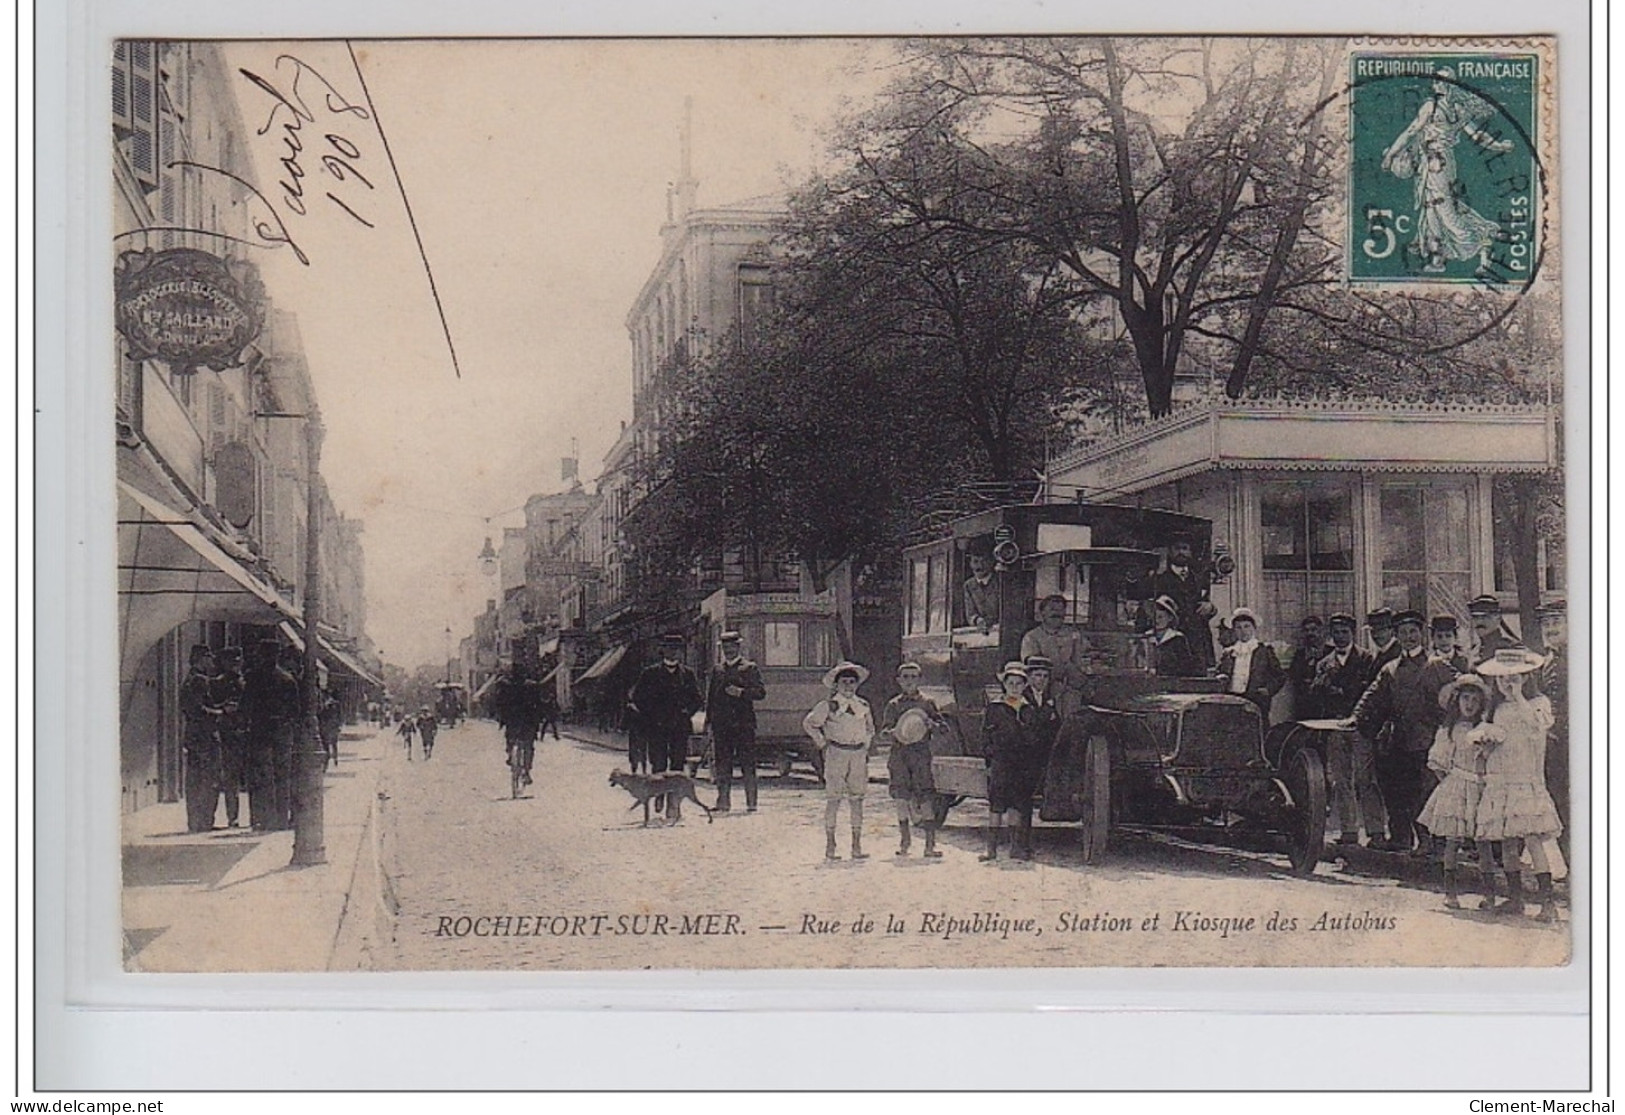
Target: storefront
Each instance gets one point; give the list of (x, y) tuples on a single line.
[(1329, 508)]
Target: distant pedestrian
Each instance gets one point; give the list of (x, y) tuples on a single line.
[(428, 725), (907, 723), (842, 728), (227, 694), (408, 731), (330, 719), (732, 690), (200, 740)]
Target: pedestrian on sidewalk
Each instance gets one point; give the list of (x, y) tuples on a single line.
[(200, 740), (842, 728), (732, 690), (408, 731), (907, 722), (228, 695), (428, 725), (330, 718), (291, 667), (270, 698)]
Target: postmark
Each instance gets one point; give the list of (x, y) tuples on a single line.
[(1445, 175)]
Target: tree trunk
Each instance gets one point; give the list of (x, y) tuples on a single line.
[(1522, 515)]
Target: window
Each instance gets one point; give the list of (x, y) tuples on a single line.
[(1426, 547), (917, 589), (781, 644), (1308, 554), (820, 647), (755, 298), (940, 593)]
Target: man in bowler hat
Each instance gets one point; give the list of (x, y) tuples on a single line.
[(1384, 647), (200, 741), (664, 699), (732, 691), (1442, 641)]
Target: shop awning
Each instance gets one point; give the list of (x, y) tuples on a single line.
[(606, 662), (332, 654), (171, 572)]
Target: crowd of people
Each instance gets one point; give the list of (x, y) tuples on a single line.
[(242, 726)]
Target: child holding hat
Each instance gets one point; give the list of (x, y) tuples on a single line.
[(907, 722)]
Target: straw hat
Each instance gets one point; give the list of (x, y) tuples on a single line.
[(1013, 668), (840, 668), (1510, 661), (1447, 695), (1167, 604), (913, 726)]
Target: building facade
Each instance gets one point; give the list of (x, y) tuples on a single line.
[(212, 468)]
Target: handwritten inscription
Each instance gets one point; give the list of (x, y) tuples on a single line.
[(301, 98)]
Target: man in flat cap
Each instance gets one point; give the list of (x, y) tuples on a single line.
[(664, 699), (1489, 628), (1340, 678), (731, 694), (1400, 711)]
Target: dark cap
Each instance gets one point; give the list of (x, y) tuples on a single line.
[(1410, 615), (1038, 662), (673, 639), (1558, 607), (1341, 619), (1381, 617), (1312, 621), (1485, 605), (730, 637), (1443, 623)]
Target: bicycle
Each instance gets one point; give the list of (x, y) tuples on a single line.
[(520, 757)]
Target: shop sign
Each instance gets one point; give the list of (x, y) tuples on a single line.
[(187, 307)]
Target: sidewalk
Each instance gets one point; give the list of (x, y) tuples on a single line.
[(228, 901)]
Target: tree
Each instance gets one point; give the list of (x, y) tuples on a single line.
[(1173, 180)]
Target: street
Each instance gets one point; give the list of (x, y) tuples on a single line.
[(568, 878)]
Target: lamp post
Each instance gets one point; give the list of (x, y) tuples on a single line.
[(309, 820)]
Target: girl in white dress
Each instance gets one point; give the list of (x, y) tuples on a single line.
[(1459, 760), (1515, 808)]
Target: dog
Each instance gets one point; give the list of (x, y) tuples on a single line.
[(673, 786)]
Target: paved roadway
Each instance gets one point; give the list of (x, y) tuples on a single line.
[(568, 878)]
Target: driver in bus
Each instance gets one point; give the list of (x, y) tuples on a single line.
[(1063, 647), (981, 594)]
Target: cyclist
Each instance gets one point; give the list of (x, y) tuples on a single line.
[(518, 706)]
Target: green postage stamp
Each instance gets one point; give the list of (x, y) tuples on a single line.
[(1445, 174)]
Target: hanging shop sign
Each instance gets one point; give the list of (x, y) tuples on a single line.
[(187, 307)]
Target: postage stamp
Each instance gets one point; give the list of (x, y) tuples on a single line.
[(1445, 178)]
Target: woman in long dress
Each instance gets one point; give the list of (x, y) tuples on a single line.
[(1516, 809)]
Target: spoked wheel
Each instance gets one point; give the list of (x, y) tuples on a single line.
[(1096, 798), (1305, 777)]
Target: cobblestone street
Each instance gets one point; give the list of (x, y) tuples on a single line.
[(581, 884)]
